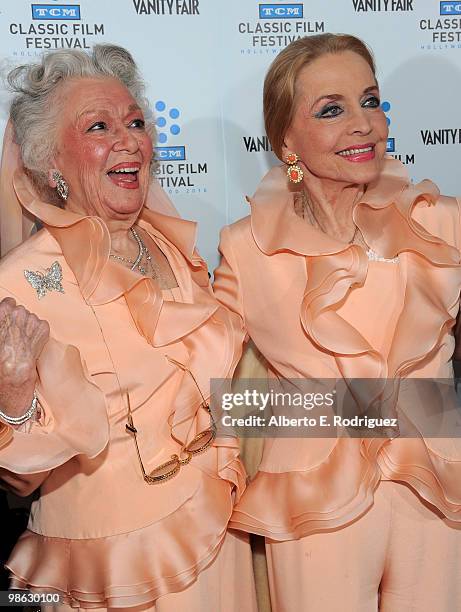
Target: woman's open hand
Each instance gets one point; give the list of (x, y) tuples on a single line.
[(22, 338)]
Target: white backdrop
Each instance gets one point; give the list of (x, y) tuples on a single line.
[(204, 62)]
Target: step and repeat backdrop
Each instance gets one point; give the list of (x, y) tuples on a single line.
[(204, 63)]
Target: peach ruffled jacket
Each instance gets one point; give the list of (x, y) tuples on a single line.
[(318, 308), (98, 532)]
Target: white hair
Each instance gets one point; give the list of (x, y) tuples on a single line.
[(35, 108)]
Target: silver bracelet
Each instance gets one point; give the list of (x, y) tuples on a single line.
[(24, 417)]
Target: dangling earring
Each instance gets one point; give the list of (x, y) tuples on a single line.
[(294, 172), (61, 186)]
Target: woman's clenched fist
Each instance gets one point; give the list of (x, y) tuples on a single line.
[(22, 338)]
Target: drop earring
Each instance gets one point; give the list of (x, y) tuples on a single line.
[(294, 172), (61, 186)]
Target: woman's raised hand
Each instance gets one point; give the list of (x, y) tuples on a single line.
[(22, 338)]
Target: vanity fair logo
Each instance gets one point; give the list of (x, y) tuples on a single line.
[(443, 136), (167, 7), (276, 26), (442, 29), (405, 158), (382, 5), (256, 144), (174, 173), (53, 26)]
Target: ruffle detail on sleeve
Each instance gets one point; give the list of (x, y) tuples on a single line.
[(283, 503), (134, 568), (74, 421)]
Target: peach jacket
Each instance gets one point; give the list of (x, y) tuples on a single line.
[(318, 308), (98, 532)]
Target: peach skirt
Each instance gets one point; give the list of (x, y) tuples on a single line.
[(400, 556), (226, 585)]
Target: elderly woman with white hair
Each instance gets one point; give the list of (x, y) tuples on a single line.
[(109, 336)]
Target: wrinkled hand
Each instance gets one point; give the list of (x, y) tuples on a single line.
[(22, 338)]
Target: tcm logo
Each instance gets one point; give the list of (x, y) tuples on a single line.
[(450, 8), (281, 11), (169, 126), (171, 153), (55, 11)]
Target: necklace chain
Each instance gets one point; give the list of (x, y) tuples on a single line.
[(307, 208), (144, 262)]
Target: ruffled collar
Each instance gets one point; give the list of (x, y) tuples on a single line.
[(383, 214), (275, 225), (85, 245), (430, 272)]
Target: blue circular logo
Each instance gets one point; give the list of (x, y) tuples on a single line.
[(163, 116), (386, 107)]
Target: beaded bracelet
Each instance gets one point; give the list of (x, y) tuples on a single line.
[(20, 420)]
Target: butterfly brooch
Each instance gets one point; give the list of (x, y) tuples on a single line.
[(50, 280)]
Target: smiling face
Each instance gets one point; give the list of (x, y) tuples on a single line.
[(102, 149), (339, 130)]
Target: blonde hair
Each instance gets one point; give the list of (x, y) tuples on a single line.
[(280, 82)]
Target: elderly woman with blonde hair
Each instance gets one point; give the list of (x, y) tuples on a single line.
[(346, 271), (109, 335)]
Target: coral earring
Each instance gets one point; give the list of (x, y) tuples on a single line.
[(294, 172)]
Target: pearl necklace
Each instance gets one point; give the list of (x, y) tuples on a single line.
[(144, 263)]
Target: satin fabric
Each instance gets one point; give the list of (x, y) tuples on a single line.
[(214, 589), (6, 435), (15, 222), (291, 285), (98, 533), (399, 557)]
